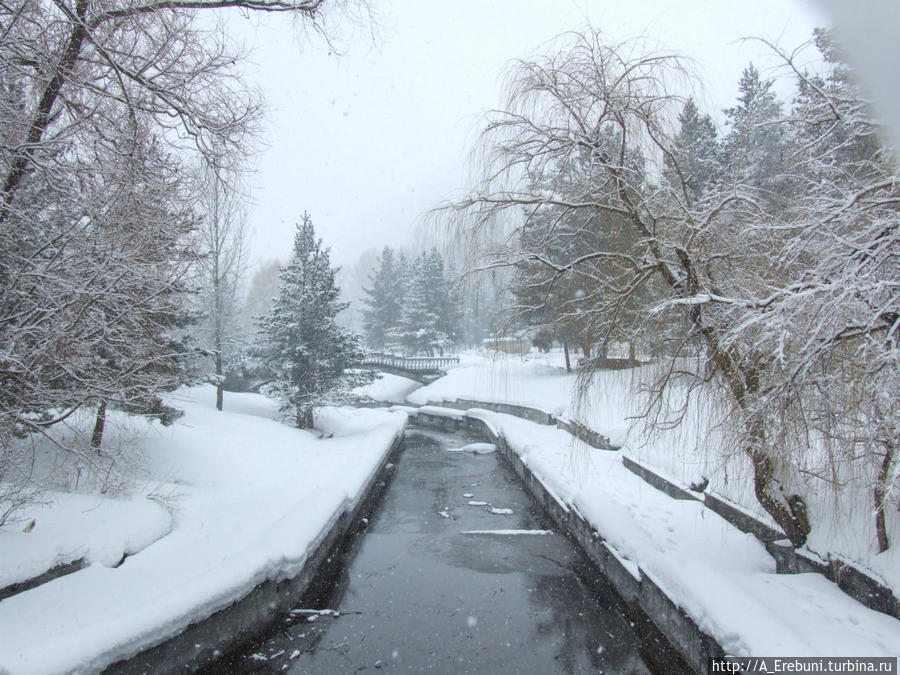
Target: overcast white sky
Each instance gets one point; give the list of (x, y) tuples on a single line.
[(369, 140)]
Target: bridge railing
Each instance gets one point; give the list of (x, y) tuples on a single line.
[(414, 364)]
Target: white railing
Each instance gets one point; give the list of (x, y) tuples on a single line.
[(413, 364)]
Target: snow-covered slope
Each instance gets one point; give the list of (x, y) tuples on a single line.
[(227, 500)]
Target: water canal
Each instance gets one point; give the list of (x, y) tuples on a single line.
[(458, 571)]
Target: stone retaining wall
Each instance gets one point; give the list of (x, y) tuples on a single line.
[(53, 573), (530, 414), (585, 434), (660, 483)]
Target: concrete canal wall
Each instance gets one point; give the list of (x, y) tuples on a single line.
[(635, 585)]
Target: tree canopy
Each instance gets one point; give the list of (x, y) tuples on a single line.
[(761, 264)]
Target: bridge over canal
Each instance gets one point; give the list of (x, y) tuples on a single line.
[(424, 369)]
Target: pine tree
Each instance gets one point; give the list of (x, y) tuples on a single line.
[(451, 309), (419, 330), (756, 145), (695, 161), (393, 336), (302, 347), (385, 299), (93, 293), (436, 289)]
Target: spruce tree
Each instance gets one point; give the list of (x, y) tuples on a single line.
[(302, 347), (436, 289), (385, 299), (419, 329), (405, 273), (695, 161), (756, 145)]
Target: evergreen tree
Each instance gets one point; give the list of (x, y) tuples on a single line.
[(301, 345), (261, 293), (451, 309), (385, 299), (555, 296), (409, 307), (436, 288), (93, 293), (756, 145), (695, 161), (393, 337), (419, 329)]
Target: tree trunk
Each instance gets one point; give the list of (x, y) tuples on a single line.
[(789, 511), (631, 352), (99, 424), (880, 526), (880, 495), (19, 163), (305, 418), (566, 352), (220, 384)]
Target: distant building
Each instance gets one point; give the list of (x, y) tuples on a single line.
[(507, 345)]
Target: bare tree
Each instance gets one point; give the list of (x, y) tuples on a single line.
[(832, 326), (769, 271), (83, 68), (223, 263), (103, 107)]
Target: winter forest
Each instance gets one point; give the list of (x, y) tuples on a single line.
[(740, 277)]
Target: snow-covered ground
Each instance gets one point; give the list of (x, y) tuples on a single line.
[(222, 502), (225, 500), (722, 577), (695, 449), (387, 387), (536, 380)]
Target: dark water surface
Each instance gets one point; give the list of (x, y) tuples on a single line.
[(421, 592)]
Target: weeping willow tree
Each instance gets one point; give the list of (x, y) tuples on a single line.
[(761, 267)]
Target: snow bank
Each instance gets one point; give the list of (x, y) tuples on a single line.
[(70, 527), (388, 387), (437, 411), (698, 448), (246, 499), (531, 380), (723, 578)]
